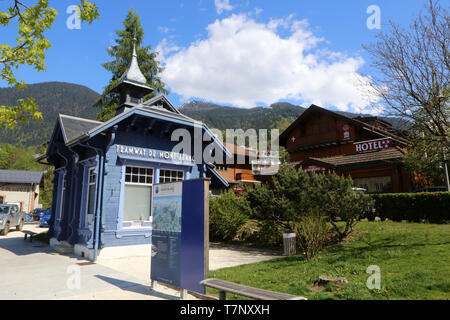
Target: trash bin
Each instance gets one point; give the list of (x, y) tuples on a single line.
[(289, 244)]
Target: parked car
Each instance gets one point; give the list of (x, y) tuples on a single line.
[(10, 217), (44, 219), (37, 214), (431, 189)]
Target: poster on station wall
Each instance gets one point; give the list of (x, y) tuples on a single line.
[(180, 239)]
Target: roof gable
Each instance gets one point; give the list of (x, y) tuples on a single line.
[(161, 102), (357, 123), (73, 127)]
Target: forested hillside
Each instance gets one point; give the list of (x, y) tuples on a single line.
[(52, 98)]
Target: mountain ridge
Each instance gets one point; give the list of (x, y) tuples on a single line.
[(77, 100)]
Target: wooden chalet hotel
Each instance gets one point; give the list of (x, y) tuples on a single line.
[(368, 149)]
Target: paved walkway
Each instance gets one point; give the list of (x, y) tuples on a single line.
[(35, 271)]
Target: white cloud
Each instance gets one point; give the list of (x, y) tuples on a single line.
[(222, 5), (163, 29), (258, 11), (245, 63)]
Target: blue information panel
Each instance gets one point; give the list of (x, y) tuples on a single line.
[(179, 236)]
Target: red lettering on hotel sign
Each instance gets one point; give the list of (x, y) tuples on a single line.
[(313, 168), (373, 145)]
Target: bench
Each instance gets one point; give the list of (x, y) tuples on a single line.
[(29, 233), (246, 291)]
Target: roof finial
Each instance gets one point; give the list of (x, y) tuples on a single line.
[(134, 43)]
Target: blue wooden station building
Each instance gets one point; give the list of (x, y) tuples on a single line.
[(105, 171)]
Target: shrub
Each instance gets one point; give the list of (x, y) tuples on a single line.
[(269, 234), (312, 233), (294, 193), (227, 214), (334, 196), (430, 206)]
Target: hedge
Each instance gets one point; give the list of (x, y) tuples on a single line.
[(433, 207)]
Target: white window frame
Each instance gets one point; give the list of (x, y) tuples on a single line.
[(91, 170), (131, 224), (140, 183), (171, 170)]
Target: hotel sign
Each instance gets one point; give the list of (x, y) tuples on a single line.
[(314, 168), (154, 154), (373, 145)]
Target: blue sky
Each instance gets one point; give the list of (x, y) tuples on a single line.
[(242, 53)]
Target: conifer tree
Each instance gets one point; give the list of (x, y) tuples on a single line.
[(122, 53)]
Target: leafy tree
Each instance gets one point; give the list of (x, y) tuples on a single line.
[(414, 73), (32, 21), (122, 53), (228, 213), (424, 162)]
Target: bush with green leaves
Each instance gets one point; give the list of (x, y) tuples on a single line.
[(227, 214), (433, 207), (334, 196), (313, 233), (293, 194)]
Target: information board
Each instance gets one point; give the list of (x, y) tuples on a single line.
[(180, 213)]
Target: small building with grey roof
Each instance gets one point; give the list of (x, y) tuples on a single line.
[(21, 187)]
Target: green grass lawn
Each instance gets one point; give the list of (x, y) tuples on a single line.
[(414, 260)]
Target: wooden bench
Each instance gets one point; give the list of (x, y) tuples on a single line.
[(246, 291), (29, 233)]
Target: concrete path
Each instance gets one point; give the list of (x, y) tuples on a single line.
[(35, 271)]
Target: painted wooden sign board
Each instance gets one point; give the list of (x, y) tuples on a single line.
[(180, 236)]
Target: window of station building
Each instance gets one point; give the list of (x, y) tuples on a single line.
[(91, 194), (63, 197), (170, 175), (138, 196)]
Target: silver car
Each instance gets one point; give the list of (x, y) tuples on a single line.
[(10, 217)]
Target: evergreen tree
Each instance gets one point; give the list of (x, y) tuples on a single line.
[(122, 53)]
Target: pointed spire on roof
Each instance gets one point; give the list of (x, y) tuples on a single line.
[(132, 86), (134, 73)]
